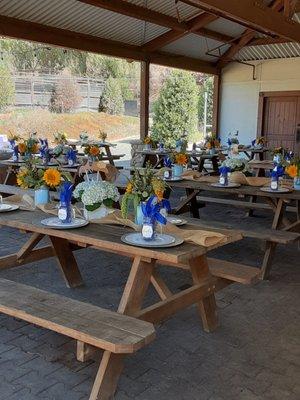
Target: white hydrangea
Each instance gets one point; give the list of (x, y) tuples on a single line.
[(236, 164), (81, 188), (96, 192)]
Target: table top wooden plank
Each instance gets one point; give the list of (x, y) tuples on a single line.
[(82, 321)]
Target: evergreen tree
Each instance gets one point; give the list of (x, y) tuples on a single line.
[(65, 97), (176, 109), (111, 101)]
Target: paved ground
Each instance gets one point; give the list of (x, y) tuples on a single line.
[(253, 355)]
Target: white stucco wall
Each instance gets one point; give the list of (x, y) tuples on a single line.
[(240, 93)]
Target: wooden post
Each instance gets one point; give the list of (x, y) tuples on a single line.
[(144, 99), (216, 104)]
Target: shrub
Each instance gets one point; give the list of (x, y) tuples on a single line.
[(176, 109), (7, 87), (65, 96), (111, 101)]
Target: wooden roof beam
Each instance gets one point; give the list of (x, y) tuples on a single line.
[(19, 29), (267, 41), (193, 24), (253, 15)]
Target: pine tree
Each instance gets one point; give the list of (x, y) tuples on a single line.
[(111, 100), (176, 109)]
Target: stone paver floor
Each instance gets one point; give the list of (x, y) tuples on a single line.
[(254, 354)]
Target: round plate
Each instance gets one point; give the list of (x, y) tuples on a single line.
[(71, 166), (176, 221), (279, 190), (174, 179), (8, 207), (230, 185), (55, 223), (160, 240)]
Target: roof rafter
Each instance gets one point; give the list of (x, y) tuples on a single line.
[(20, 29), (253, 15)]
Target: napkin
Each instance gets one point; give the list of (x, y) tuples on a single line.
[(110, 171), (191, 175), (196, 236), (25, 202), (242, 179)]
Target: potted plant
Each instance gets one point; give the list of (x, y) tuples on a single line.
[(97, 197), (293, 170), (93, 152)]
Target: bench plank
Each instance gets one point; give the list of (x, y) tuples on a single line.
[(233, 271), (81, 321)]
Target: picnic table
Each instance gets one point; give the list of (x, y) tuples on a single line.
[(261, 166), (198, 158)]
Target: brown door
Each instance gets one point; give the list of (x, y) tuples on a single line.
[(281, 121)]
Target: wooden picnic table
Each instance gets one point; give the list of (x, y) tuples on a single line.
[(105, 145), (261, 166), (276, 202)]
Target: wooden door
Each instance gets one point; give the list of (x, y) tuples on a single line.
[(281, 120)]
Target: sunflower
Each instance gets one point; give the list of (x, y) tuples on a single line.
[(181, 159), (159, 194), (52, 177), (35, 148), (292, 170), (147, 140), (94, 151), (22, 148), (129, 187)]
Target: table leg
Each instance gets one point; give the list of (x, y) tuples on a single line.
[(268, 258), (109, 155), (194, 204), (184, 202), (215, 165), (67, 262), (207, 306)]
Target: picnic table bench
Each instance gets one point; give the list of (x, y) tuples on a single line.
[(116, 334)]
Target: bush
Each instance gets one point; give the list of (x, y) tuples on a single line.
[(176, 109), (7, 88), (65, 97), (111, 101)]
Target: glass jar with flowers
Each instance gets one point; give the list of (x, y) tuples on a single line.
[(97, 197), (259, 143), (180, 160), (139, 188), (279, 155), (93, 152), (60, 138), (293, 170), (30, 176), (152, 214), (147, 143), (28, 147)]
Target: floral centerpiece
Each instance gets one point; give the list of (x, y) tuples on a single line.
[(140, 187), (60, 138), (293, 170), (180, 160), (29, 147), (12, 139), (97, 197), (211, 143), (279, 154), (102, 135), (259, 142), (93, 151), (236, 164), (148, 143), (84, 137)]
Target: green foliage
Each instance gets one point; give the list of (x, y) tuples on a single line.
[(208, 86), (65, 97), (111, 101), (176, 110), (7, 87)]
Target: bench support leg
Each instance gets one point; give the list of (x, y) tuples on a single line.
[(267, 261), (207, 306), (107, 377), (159, 285), (67, 262)]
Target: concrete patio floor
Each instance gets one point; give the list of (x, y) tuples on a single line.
[(253, 355)]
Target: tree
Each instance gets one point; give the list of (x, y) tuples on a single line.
[(111, 100), (65, 97), (7, 87), (176, 109), (207, 86)]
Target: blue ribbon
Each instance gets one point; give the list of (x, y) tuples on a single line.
[(229, 142), (16, 150), (224, 170), (289, 155), (277, 172), (167, 162), (12, 143), (66, 192), (151, 209), (71, 155), (253, 142)]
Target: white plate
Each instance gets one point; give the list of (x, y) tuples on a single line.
[(8, 207), (176, 221), (174, 179), (160, 240), (230, 185), (279, 190), (54, 222)]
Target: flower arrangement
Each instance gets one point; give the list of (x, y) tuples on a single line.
[(94, 194), (212, 142), (147, 140), (260, 141), (32, 177), (180, 158), (236, 164), (29, 146), (60, 138), (140, 187), (93, 151), (102, 135), (84, 137), (293, 170)]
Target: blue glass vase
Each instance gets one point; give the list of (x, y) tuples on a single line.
[(297, 183), (177, 170), (139, 216), (41, 196)]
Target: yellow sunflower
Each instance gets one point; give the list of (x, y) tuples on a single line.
[(94, 151), (129, 187), (22, 148), (181, 159), (35, 148), (52, 177), (292, 170)]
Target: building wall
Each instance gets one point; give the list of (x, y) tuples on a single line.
[(240, 93)]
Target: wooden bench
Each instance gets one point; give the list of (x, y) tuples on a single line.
[(112, 332), (271, 237)]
